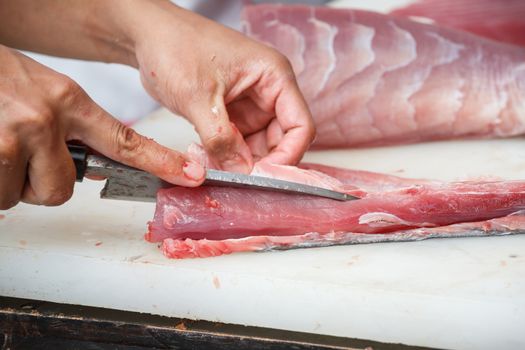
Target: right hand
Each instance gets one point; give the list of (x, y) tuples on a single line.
[(40, 110)]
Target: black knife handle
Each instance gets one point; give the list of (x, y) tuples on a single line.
[(79, 154)]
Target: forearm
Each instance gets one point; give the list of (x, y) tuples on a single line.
[(98, 30), (240, 95)]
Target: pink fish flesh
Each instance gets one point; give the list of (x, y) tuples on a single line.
[(206, 219), (203, 248), (501, 20), (373, 79)]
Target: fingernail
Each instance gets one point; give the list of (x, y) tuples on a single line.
[(193, 171)]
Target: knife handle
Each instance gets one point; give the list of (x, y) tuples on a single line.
[(79, 154)]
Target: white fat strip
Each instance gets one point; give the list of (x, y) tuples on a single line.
[(272, 23), (422, 19), (406, 44), (453, 49), (363, 45), (302, 41), (519, 102), (494, 89), (519, 72), (354, 57), (379, 219), (298, 66), (512, 90), (330, 48), (449, 52), (503, 86), (409, 44)]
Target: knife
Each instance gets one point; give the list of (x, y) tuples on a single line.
[(127, 183)]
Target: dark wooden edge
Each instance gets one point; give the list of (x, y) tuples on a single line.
[(28, 324)]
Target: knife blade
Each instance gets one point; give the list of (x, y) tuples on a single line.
[(127, 183)]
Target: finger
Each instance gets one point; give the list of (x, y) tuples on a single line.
[(258, 144), (275, 135), (95, 177), (296, 123), (248, 116), (12, 173), (113, 139), (264, 141), (50, 175), (221, 139)]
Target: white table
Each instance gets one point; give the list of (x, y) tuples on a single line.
[(451, 293)]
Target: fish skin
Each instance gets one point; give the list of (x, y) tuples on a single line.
[(372, 79), (500, 20)]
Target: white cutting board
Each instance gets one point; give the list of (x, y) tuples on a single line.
[(453, 293)]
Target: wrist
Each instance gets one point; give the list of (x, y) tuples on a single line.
[(113, 27), (129, 26)]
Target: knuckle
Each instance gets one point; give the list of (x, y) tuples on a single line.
[(64, 89), (173, 160), (127, 141), (9, 149), (209, 86), (6, 204), (169, 156), (196, 93), (221, 142), (280, 68), (311, 130), (34, 121), (61, 188), (57, 196), (39, 120), (281, 62)]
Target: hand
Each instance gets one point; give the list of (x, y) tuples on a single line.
[(39, 111), (240, 95)]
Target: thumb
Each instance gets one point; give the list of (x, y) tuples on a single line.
[(113, 139), (221, 139)]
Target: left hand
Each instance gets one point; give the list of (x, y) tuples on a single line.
[(241, 96)]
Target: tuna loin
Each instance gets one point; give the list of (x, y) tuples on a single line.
[(205, 219), (373, 79)]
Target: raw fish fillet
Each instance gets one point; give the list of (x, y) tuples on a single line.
[(501, 20), (373, 79), (203, 248), (209, 221)]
